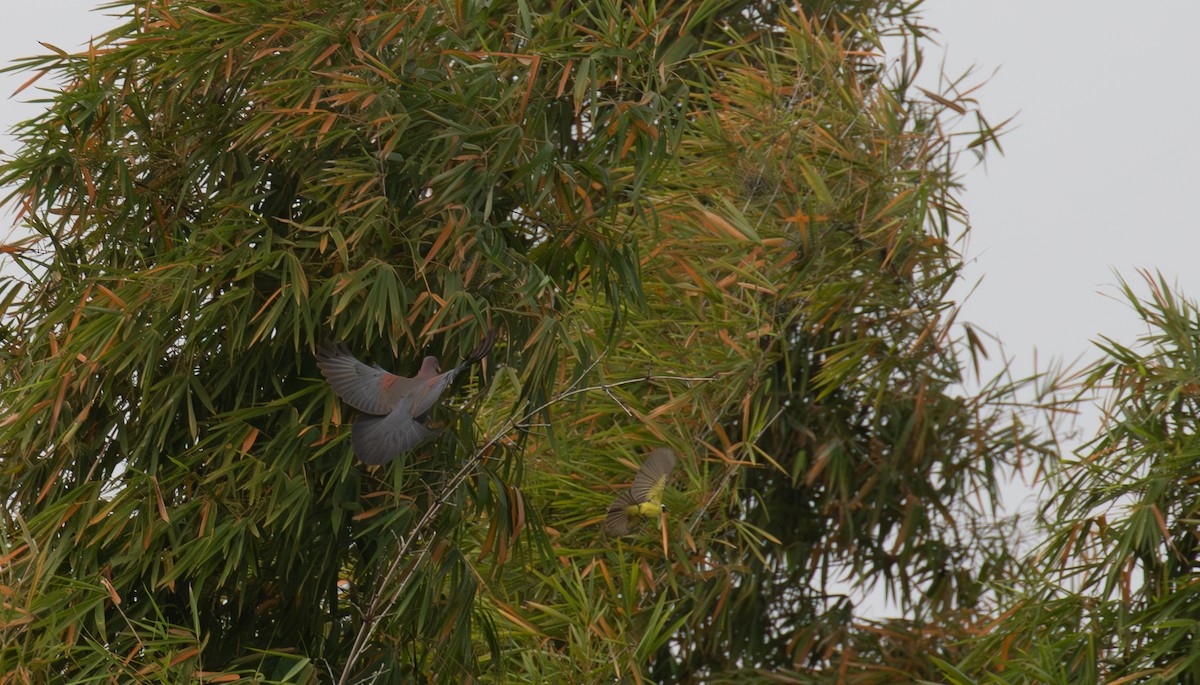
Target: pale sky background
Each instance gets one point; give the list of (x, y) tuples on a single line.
[(1099, 175)]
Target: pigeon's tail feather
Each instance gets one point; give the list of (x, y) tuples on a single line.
[(482, 348)]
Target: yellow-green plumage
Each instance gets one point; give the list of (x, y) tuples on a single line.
[(644, 497)]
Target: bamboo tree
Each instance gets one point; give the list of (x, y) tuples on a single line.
[(723, 227), (797, 350)]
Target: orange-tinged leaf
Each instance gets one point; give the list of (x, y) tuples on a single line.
[(1162, 527), (720, 454), (162, 506), (251, 437), (211, 15), (666, 407), (718, 225), (448, 230), (696, 278), (330, 120), (8, 558), (49, 484), (30, 82), (602, 629), (958, 109), (519, 515), (1132, 677), (728, 340), (663, 520), (87, 181), (56, 50), (722, 436), (113, 296), (543, 325), (204, 509), (396, 28), (758, 288), (530, 79), (511, 614), (490, 540), (448, 327), (59, 400), (562, 82), (112, 591), (823, 456), (184, 656), (277, 293), (325, 55)]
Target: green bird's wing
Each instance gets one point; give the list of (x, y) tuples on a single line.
[(648, 486), (616, 523), (651, 479)]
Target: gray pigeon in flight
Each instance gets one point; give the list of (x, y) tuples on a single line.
[(394, 408)]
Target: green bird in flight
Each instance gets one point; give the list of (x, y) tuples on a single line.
[(644, 497)]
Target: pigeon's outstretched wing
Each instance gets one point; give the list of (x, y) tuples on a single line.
[(359, 385)]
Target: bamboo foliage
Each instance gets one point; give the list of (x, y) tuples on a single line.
[(1110, 594), (796, 349), (721, 227)]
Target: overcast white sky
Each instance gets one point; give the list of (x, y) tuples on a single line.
[(1099, 172)]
